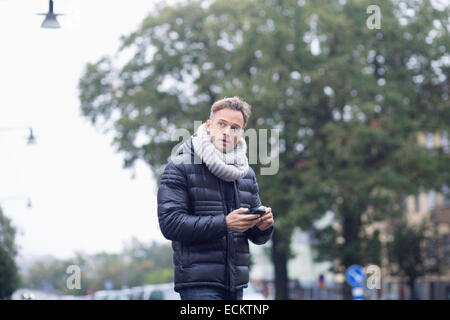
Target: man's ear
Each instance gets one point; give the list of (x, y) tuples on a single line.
[(207, 125)]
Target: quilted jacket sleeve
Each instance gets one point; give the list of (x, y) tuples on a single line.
[(254, 234), (175, 221)]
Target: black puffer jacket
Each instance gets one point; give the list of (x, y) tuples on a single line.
[(191, 212)]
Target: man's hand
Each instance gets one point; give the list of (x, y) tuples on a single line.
[(266, 220), (238, 222)]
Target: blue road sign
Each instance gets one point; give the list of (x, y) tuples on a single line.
[(355, 275)]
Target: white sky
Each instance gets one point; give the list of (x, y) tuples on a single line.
[(82, 198)]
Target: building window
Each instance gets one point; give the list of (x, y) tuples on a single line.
[(446, 195), (429, 141), (416, 203), (444, 142), (431, 200), (447, 248), (403, 206)]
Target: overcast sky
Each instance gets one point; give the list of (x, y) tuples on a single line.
[(82, 199)]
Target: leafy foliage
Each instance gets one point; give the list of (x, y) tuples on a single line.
[(9, 274), (348, 102), (138, 264)]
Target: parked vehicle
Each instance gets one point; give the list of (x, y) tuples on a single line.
[(163, 291), (125, 294), (137, 293), (250, 293), (101, 295)]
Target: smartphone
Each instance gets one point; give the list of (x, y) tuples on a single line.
[(255, 211)]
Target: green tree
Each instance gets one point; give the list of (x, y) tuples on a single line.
[(148, 263), (407, 252), (382, 87), (46, 274), (348, 102), (9, 274), (138, 264)]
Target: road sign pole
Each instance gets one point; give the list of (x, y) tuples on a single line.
[(355, 277), (358, 293)]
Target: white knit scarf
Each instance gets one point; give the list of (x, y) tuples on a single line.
[(228, 166)]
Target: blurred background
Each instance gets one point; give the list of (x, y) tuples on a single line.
[(359, 95)]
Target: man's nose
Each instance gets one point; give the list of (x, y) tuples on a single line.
[(226, 131)]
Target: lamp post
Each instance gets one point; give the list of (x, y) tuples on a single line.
[(13, 198), (31, 139), (50, 21)]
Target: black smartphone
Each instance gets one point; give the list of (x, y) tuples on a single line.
[(255, 211)]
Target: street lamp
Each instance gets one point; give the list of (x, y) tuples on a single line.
[(50, 21), (31, 139), (29, 204)]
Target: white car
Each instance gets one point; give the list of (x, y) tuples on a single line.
[(163, 291), (101, 295), (137, 293), (250, 293), (125, 294)]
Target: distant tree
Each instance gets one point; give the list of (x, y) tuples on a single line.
[(9, 274), (409, 252), (46, 274), (138, 264)]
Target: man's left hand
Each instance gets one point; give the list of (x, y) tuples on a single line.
[(266, 219)]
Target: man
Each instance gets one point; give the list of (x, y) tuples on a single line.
[(203, 195)]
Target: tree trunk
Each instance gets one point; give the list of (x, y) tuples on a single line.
[(347, 292), (412, 289), (280, 256), (351, 253)]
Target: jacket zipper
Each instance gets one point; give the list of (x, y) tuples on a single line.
[(227, 269), (227, 251)]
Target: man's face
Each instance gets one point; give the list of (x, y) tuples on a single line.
[(225, 129)]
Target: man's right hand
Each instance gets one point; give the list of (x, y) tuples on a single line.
[(238, 222)]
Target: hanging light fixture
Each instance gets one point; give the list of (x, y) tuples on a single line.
[(29, 204), (50, 18), (31, 137)]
